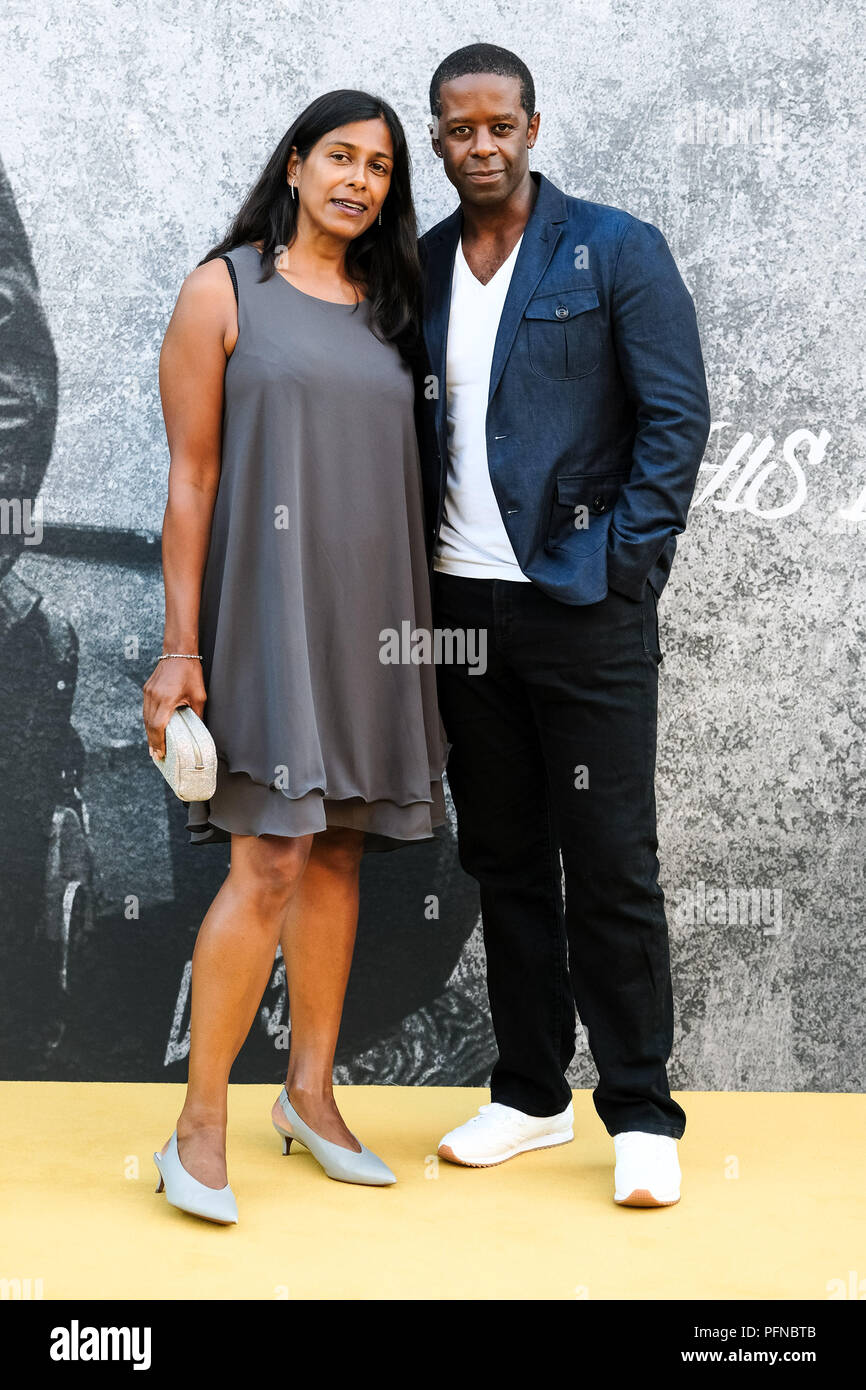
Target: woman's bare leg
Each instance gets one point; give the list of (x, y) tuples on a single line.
[(232, 961), (318, 938)]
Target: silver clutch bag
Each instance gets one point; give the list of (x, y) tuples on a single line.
[(190, 762)]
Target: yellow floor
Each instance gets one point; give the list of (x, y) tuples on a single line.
[(772, 1203)]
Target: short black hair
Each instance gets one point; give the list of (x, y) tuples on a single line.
[(483, 57)]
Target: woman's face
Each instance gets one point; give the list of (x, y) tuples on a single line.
[(344, 179)]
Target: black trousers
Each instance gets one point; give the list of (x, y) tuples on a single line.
[(553, 752)]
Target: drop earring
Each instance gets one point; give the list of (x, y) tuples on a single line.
[(292, 184), (380, 217)]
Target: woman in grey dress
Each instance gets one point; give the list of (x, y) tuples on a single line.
[(293, 543)]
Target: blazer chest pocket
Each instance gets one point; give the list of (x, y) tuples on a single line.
[(582, 507), (563, 333)]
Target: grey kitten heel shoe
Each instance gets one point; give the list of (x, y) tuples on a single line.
[(184, 1191), (343, 1164)]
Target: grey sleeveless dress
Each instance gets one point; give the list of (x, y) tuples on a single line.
[(317, 548)]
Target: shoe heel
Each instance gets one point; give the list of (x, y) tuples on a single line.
[(343, 1164), (288, 1139), (188, 1194)]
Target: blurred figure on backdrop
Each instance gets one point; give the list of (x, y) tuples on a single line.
[(45, 863)]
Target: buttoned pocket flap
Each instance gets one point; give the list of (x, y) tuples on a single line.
[(595, 491), (562, 305)]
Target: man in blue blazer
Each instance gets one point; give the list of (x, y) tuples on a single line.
[(570, 418)]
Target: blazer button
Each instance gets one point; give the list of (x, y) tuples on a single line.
[(561, 311), (598, 504)]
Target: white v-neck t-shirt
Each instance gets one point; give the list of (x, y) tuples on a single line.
[(473, 540)]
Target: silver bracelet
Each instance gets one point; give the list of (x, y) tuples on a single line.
[(190, 656)]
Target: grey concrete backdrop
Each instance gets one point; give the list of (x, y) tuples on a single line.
[(130, 132)]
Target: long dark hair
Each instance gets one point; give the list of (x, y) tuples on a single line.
[(385, 256)]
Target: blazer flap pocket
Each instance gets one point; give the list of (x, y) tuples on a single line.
[(558, 306), (596, 491)]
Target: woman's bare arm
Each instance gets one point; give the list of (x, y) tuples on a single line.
[(198, 341)]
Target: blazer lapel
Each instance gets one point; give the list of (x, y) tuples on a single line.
[(540, 238), (441, 251)]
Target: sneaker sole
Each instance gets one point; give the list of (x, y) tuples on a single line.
[(445, 1151), (642, 1197)]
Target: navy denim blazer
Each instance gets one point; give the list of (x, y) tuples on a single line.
[(598, 414)]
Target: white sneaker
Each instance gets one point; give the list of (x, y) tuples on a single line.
[(647, 1169), (498, 1132)]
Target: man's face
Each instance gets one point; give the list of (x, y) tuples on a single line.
[(484, 137)]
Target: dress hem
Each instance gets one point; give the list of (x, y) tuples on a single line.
[(210, 832), (232, 768), (248, 808)]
